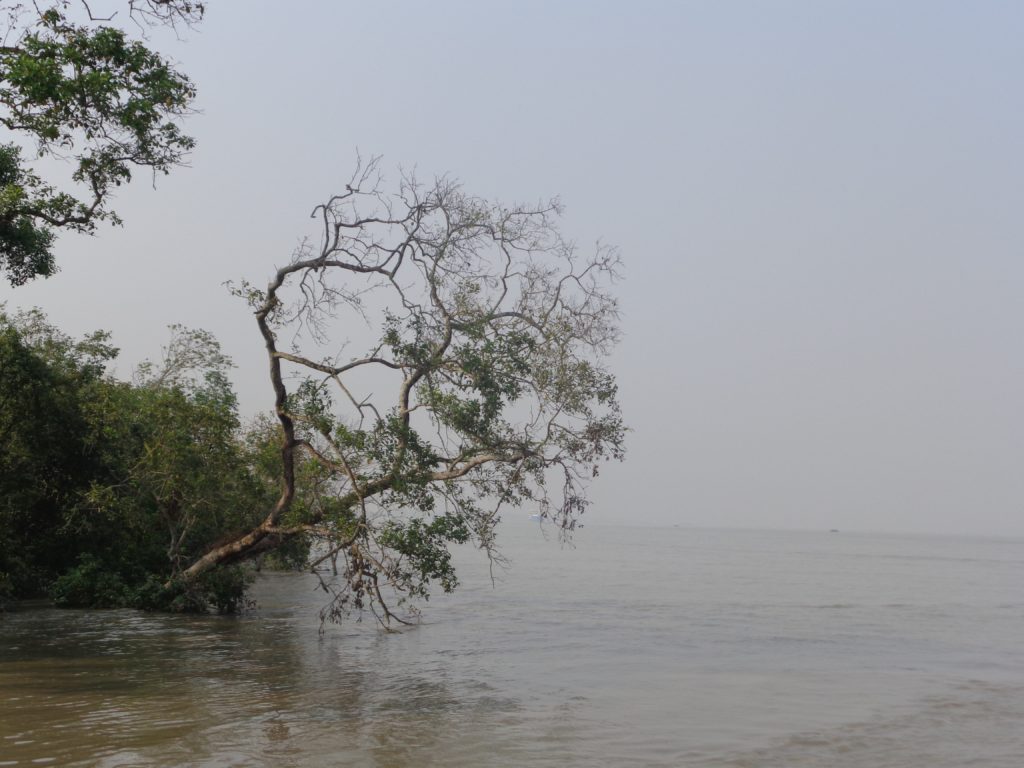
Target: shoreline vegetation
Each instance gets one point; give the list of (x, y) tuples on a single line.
[(107, 485), (486, 388), (485, 392)]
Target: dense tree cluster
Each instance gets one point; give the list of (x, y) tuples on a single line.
[(107, 488)]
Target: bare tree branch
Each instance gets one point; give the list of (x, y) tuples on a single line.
[(492, 348)]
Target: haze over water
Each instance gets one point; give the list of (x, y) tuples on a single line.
[(640, 646)]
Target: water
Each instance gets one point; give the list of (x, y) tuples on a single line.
[(652, 647)]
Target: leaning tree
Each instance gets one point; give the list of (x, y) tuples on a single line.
[(486, 387)]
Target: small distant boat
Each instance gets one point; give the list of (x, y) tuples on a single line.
[(834, 530)]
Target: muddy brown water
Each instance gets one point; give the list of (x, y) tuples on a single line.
[(636, 647)]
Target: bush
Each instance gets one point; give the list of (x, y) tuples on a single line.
[(221, 590), (90, 584)]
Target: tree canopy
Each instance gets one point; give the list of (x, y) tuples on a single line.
[(107, 488), (486, 387), (74, 86)]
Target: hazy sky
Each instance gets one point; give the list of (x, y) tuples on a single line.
[(820, 206)]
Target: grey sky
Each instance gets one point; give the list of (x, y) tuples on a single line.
[(819, 205)]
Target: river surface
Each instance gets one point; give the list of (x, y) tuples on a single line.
[(645, 647)]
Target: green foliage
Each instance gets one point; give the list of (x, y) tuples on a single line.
[(86, 92), (422, 552), (291, 555), (25, 242), (107, 488), (46, 380), (222, 590), (90, 584)]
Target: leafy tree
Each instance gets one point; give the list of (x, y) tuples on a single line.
[(82, 90), (176, 438), (493, 332), (44, 464), (108, 487)]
